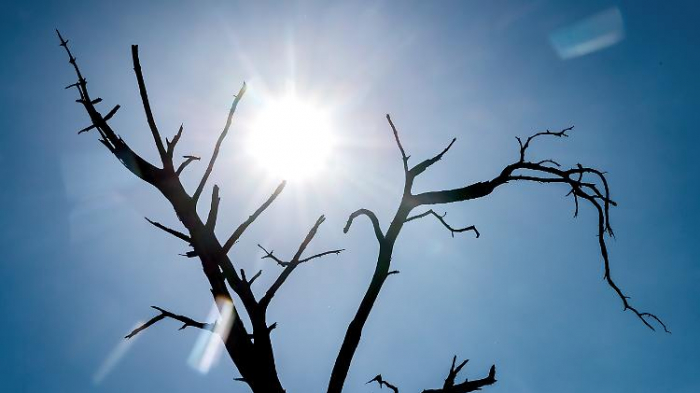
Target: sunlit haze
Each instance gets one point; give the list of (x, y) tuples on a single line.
[(291, 138)]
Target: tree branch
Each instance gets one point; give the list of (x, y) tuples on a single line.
[(404, 157), (116, 145), (466, 386), (171, 231), (289, 268), (215, 154), (420, 168), (441, 218), (214, 210), (523, 147), (188, 161), (574, 178), (378, 379), (370, 214), (186, 322), (171, 145), (241, 228), (147, 106)]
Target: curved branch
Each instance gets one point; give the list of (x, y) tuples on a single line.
[(188, 161), (441, 218), (373, 217)]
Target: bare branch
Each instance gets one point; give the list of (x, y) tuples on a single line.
[(270, 255), (214, 210), (441, 218), (188, 161), (116, 145), (420, 168), (450, 380), (265, 301), (241, 228), (323, 254), (147, 106), (186, 322), (378, 379), (255, 277), (404, 157), (171, 145), (215, 154), (523, 147), (370, 214), (467, 386), (171, 231)]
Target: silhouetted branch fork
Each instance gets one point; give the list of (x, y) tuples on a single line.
[(420, 168), (214, 210), (454, 370), (252, 279), (147, 105), (467, 386), (271, 255), (241, 228), (186, 322), (523, 147), (188, 161), (289, 267), (372, 217), (171, 231), (215, 154), (132, 161), (441, 218), (108, 116), (171, 145), (382, 382)]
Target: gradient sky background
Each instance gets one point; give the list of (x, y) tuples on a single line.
[(80, 266)]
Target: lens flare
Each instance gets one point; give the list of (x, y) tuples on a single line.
[(208, 346)]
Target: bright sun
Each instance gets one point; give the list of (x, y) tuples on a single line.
[(291, 138)]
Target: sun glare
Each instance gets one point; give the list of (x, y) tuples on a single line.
[(291, 138)]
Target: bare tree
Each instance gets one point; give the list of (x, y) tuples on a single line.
[(249, 344)]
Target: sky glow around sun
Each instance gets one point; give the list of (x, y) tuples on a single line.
[(291, 138)]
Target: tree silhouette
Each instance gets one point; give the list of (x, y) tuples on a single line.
[(250, 347)]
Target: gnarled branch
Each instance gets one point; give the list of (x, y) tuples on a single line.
[(467, 386), (441, 218)]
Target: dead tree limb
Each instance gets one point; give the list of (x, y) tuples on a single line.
[(186, 322), (586, 183)]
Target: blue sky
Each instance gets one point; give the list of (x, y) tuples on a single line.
[(80, 266)]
